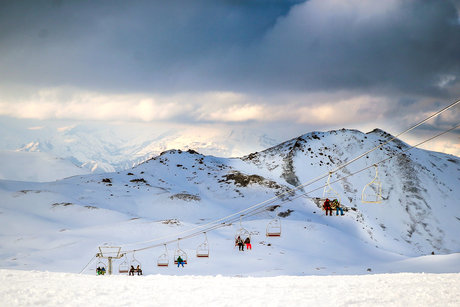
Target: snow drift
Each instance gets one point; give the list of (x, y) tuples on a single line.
[(57, 289)]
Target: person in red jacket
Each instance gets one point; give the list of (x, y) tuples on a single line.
[(327, 206)]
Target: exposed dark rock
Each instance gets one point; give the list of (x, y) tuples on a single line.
[(285, 213), (138, 180), (61, 204), (186, 197), (242, 180)]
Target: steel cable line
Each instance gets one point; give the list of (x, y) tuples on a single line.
[(377, 147), (392, 156), (92, 259)]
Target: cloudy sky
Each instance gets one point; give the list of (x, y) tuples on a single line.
[(281, 68)]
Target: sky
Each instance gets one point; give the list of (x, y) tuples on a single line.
[(278, 68)]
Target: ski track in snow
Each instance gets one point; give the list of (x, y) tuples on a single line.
[(32, 288)]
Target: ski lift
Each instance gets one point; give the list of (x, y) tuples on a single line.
[(101, 268), (372, 192), (163, 259), (181, 253), (136, 263), (329, 192), (123, 268), (202, 251), (274, 228), (242, 232)]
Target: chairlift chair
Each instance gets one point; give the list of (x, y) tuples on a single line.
[(181, 253), (329, 192), (274, 228), (100, 264), (372, 192), (123, 268), (202, 251), (163, 259), (242, 232), (135, 263)]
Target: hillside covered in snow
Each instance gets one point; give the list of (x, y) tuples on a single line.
[(58, 226), (36, 166)]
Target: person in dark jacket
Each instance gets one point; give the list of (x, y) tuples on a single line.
[(240, 243), (248, 243), (327, 206), (180, 261), (131, 271)]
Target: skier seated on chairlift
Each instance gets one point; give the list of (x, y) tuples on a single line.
[(240, 243), (180, 261), (248, 243), (327, 206), (338, 206), (138, 270), (100, 271), (131, 271)]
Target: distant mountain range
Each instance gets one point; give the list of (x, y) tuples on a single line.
[(108, 149)]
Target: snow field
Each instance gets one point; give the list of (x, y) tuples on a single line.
[(36, 166), (31, 288)]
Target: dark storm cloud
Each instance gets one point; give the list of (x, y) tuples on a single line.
[(409, 47), (406, 45), (133, 44)]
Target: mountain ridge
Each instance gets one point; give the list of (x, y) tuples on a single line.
[(178, 190)]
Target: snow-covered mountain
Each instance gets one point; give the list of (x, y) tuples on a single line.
[(111, 147), (36, 166), (59, 225)]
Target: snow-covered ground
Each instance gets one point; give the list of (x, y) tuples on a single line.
[(58, 226), (33, 288), (36, 166)]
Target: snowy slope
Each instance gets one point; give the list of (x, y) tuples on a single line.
[(36, 166), (420, 188), (58, 289), (58, 226)]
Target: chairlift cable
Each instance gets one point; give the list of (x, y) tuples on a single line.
[(377, 147), (92, 259), (391, 156)]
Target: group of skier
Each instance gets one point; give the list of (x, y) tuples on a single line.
[(137, 269), (100, 270), (328, 206), (242, 243)]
